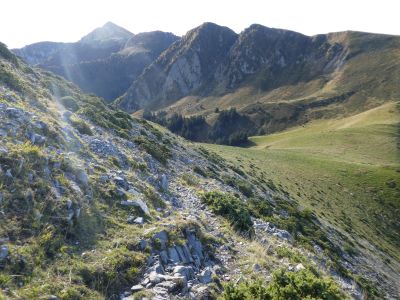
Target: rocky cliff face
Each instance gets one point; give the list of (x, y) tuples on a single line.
[(211, 60), (268, 58), (185, 68)]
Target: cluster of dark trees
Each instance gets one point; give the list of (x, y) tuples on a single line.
[(230, 127)]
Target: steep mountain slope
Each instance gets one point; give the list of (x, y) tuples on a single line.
[(185, 68), (104, 62), (94, 201), (276, 77)]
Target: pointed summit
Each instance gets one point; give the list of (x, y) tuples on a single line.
[(109, 31)]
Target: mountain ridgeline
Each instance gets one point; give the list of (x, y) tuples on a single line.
[(275, 78), (104, 62)]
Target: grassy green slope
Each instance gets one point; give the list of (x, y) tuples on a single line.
[(346, 170)]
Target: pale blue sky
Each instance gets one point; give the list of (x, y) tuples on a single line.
[(27, 21)]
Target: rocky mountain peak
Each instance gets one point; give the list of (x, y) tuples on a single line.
[(210, 33), (108, 31), (158, 41)]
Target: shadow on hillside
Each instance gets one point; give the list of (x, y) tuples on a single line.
[(249, 144)]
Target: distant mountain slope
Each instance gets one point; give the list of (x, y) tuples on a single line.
[(278, 78), (104, 62)]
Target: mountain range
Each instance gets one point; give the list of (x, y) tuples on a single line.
[(104, 62), (277, 78)]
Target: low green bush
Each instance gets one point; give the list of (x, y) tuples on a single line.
[(232, 209), (303, 284), (81, 126), (119, 268), (69, 103), (158, 151)]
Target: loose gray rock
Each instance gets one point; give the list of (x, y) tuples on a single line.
[(142, 244), (185, 271), (15, 113), (164, 257), (162, 237), (257, 268), (121, 182), (173, 255), (299, 267), (156, 278), (164, 183), (206, 276), (37, 139), (82, 177), (137, 288), (139, 220), (130, 219), (8, 173), (3, 252)]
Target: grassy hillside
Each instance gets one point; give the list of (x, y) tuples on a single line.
[(346, 170)]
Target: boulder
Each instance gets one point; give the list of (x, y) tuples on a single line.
[(180, 281), (103, 178), (138, 203)]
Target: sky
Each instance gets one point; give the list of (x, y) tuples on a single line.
[(24, 22)]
